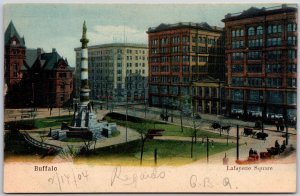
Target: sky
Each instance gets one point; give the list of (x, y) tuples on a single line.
[(59, 26)]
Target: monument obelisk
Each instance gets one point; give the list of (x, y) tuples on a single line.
[(84, 87), (84, 123)]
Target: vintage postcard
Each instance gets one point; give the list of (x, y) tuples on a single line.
[(150, 98)]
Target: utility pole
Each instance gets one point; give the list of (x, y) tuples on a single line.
[(237, 142), (207, 149)]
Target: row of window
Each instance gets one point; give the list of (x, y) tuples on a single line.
[(270, 68), (169, 79), (258, 82), (274, 28), (277, 41), (130, 65), (178, 59), (272, 96)]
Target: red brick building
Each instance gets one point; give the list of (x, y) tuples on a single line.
[(52, 80), (34, 78), (180, 54), (14, 54), (261, 50)]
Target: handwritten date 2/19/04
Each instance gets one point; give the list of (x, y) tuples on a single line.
[(68, 179), (207, 182)]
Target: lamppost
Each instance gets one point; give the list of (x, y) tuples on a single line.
[(194, 135)]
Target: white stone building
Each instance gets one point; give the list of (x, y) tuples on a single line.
[(110, 65)]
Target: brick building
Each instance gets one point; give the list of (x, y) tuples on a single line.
[(34, 78), (52, 80), (261, 50), (14, 54), (180, 54)]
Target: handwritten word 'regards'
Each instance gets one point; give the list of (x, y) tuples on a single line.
[(62, 180), (119, 176)]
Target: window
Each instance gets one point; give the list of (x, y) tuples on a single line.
[(275, 54), (238, 56), (292, 68), (255, 82), (275, 28), (237, 95), (255, 43), (254, 95), (259, 30), (291, 98), (185, 69), (233, 33), (256, 68), (274, 82), (274, 97), (292, 40), (292, 54), (237, 81), (274, 68), (292, 27), (15, 72), (186, 58), (237, 68), (251, 31), (292, 82), (175, 68), (254, 55)]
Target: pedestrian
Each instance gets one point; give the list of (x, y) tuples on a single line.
[(277, 144), (251, 152)]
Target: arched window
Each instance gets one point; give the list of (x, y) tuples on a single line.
[(275, 29), (251, 31), (232, 33), (259, 30), (15, 72), (242, 32)]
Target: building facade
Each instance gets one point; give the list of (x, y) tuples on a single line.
[(14, 56), (113, 68), (261, 50), (51, 79), (208, 96), (180, 54), (34, 78)]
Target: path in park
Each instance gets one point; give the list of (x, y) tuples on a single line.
[(247, 142)]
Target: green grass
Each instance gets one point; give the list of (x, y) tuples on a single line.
[(41, 122), (169, 152), (170, 130)]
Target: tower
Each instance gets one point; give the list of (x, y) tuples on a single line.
[(14, 55)]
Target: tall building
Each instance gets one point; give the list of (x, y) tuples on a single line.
[(180, 54), (261, 49), (116, 71), (14, 53)]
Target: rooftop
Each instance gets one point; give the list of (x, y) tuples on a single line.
[(202, 25), (12, 32), (254, 11)]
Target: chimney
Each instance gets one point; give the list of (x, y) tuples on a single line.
[(53, 50), (39, 51)]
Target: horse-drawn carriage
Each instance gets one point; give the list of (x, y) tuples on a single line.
[(216, 125), (164, 117), (250, 132)]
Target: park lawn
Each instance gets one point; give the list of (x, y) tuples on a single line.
[(169, 152), (41, 122), (141, 125)]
